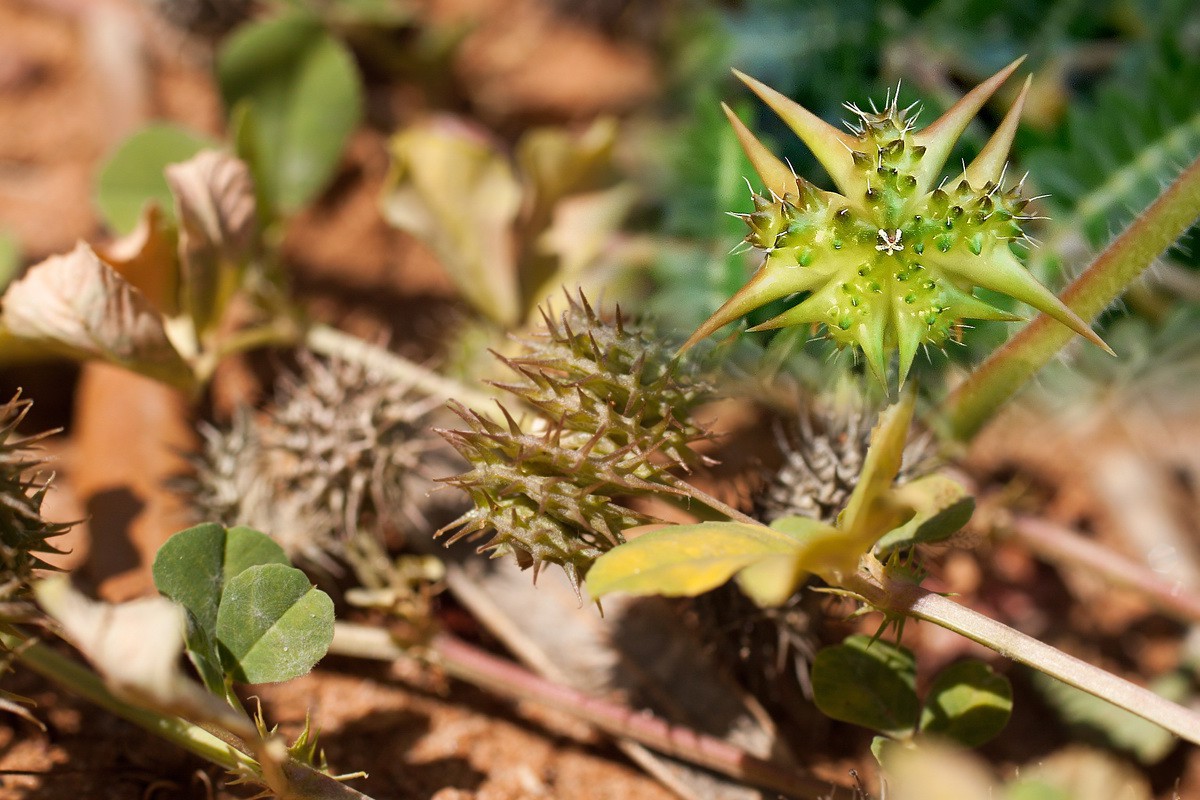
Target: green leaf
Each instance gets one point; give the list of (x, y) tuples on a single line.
[(273, 624), (133, 175), (685, 560), (868, 683), (194, 566), (969, 703), (10, 257), (942, 507), (307, 98)]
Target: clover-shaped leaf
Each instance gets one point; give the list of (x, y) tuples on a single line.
[(869, 683), (253, 617), (194, 566), (273, 624), (968, 702)]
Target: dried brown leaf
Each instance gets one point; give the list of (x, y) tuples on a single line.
[(146, 258), (215, 204), (77, 305), (136, 648)]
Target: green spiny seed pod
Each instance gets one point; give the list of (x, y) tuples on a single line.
[(544, 501), (612, 420), (334, 455), (888, 261), (587, 374), (24, 535)]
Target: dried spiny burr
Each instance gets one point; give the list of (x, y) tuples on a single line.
[(332, 457), (823, 446)]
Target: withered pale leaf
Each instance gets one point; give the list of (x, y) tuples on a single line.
[(557, 162), (583, 226), (78, 306), (457, 194), (136, 648), (215, 204), (935, 771), (146, 258)]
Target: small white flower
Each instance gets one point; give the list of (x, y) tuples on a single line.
[(889, 244)]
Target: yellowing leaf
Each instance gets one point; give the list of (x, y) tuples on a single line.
[(79, 306), (558, 163), (773, 579), (582, 226), (453, 191), (685, 560), (935, 772), (871, 511)]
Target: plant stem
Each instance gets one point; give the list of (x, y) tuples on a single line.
[(981, 395), (1063, 546), (482, 669), (287, 779), (332, 342), (911, 600), (722, 509), (78, 679)]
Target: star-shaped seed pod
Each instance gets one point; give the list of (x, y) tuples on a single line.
[(890, 260)]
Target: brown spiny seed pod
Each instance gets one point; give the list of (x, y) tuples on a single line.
[(612, 421), (543, 500), (24, 535), (824, 445), (334, 455)]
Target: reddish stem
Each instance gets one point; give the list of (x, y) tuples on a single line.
[(503, 677)]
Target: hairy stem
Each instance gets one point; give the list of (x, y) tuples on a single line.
[(911, 600), (981, 395), (80, 680), (482, 669), (337, 344)]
